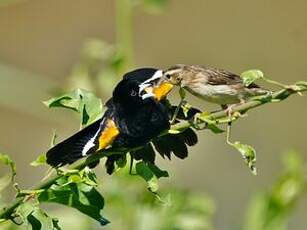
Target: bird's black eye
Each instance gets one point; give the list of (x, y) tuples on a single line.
[(133, 93), (168, 76)]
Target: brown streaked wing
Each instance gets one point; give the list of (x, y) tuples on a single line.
[(221, 77), (224, 77)]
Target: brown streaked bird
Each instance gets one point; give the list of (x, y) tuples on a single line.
[(211, 84)]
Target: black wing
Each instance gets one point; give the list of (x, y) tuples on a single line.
[(92, 138), (70, 150)]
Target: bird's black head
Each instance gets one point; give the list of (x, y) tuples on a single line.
[(139, 87)]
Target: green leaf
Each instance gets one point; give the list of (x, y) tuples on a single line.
[(70, 100), (147, 173), (81, 101), (40, 160), (24, 210), (75, 176), (144, 171), (5, 159), (74, 179), (92, 109), (40, 220), (80, 196), (250, 76), (34, 218), (89, 178), (249, 155)]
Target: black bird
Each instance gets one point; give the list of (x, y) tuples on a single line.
[(134, 115)]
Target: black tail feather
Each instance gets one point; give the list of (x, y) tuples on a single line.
[(70, 150)]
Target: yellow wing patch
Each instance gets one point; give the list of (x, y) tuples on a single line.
[(162, 90), (108, 135)]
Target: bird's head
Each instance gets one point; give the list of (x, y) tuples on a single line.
[(140, 86), (177, 74)]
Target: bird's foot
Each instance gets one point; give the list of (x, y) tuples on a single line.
[(229, 109)]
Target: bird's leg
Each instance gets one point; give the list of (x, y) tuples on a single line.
[(224, 107), (229, 109)]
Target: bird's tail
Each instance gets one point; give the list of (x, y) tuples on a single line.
[(74, 147)]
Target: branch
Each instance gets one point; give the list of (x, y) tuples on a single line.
[(220, 117)]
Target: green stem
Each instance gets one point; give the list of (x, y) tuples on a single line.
[(176, 111), (218, 116), (275, 83), (228, 133)]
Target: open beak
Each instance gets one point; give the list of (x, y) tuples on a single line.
[(156, 87), (158, 92)]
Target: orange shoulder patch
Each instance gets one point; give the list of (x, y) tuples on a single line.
[(108, 135)]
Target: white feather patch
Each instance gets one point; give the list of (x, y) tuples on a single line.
[(157, 75), (90, 144)]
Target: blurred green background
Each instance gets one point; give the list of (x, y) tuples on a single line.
[(47, 46)]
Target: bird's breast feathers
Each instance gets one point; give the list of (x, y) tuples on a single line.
[(219, 94)]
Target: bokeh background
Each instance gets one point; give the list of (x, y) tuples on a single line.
[(47, 46)]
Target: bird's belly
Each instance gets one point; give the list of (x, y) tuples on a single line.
[(219, 94)]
